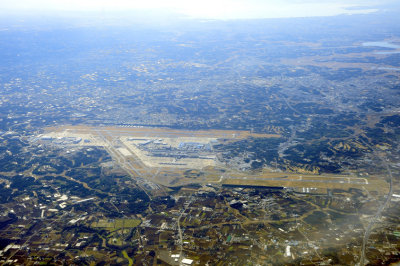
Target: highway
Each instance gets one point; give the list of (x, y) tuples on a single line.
[(378, 214)]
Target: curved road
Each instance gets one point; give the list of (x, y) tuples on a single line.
[(378, 213)]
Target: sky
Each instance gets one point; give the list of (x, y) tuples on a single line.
[(209, 9)]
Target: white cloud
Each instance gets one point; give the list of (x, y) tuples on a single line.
[(224, 9)]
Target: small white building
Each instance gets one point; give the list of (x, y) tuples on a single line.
[(187, 261), (287, 252)]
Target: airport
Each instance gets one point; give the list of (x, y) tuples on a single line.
[(162, 156)]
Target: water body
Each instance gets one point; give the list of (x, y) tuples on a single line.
[(381, 44)]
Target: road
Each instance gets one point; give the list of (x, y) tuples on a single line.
[(180, 231), (378, 214), (36, 234)]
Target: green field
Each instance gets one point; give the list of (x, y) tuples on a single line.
[(116, 224)]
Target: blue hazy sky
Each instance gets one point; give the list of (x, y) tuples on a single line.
[(211, 9)]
